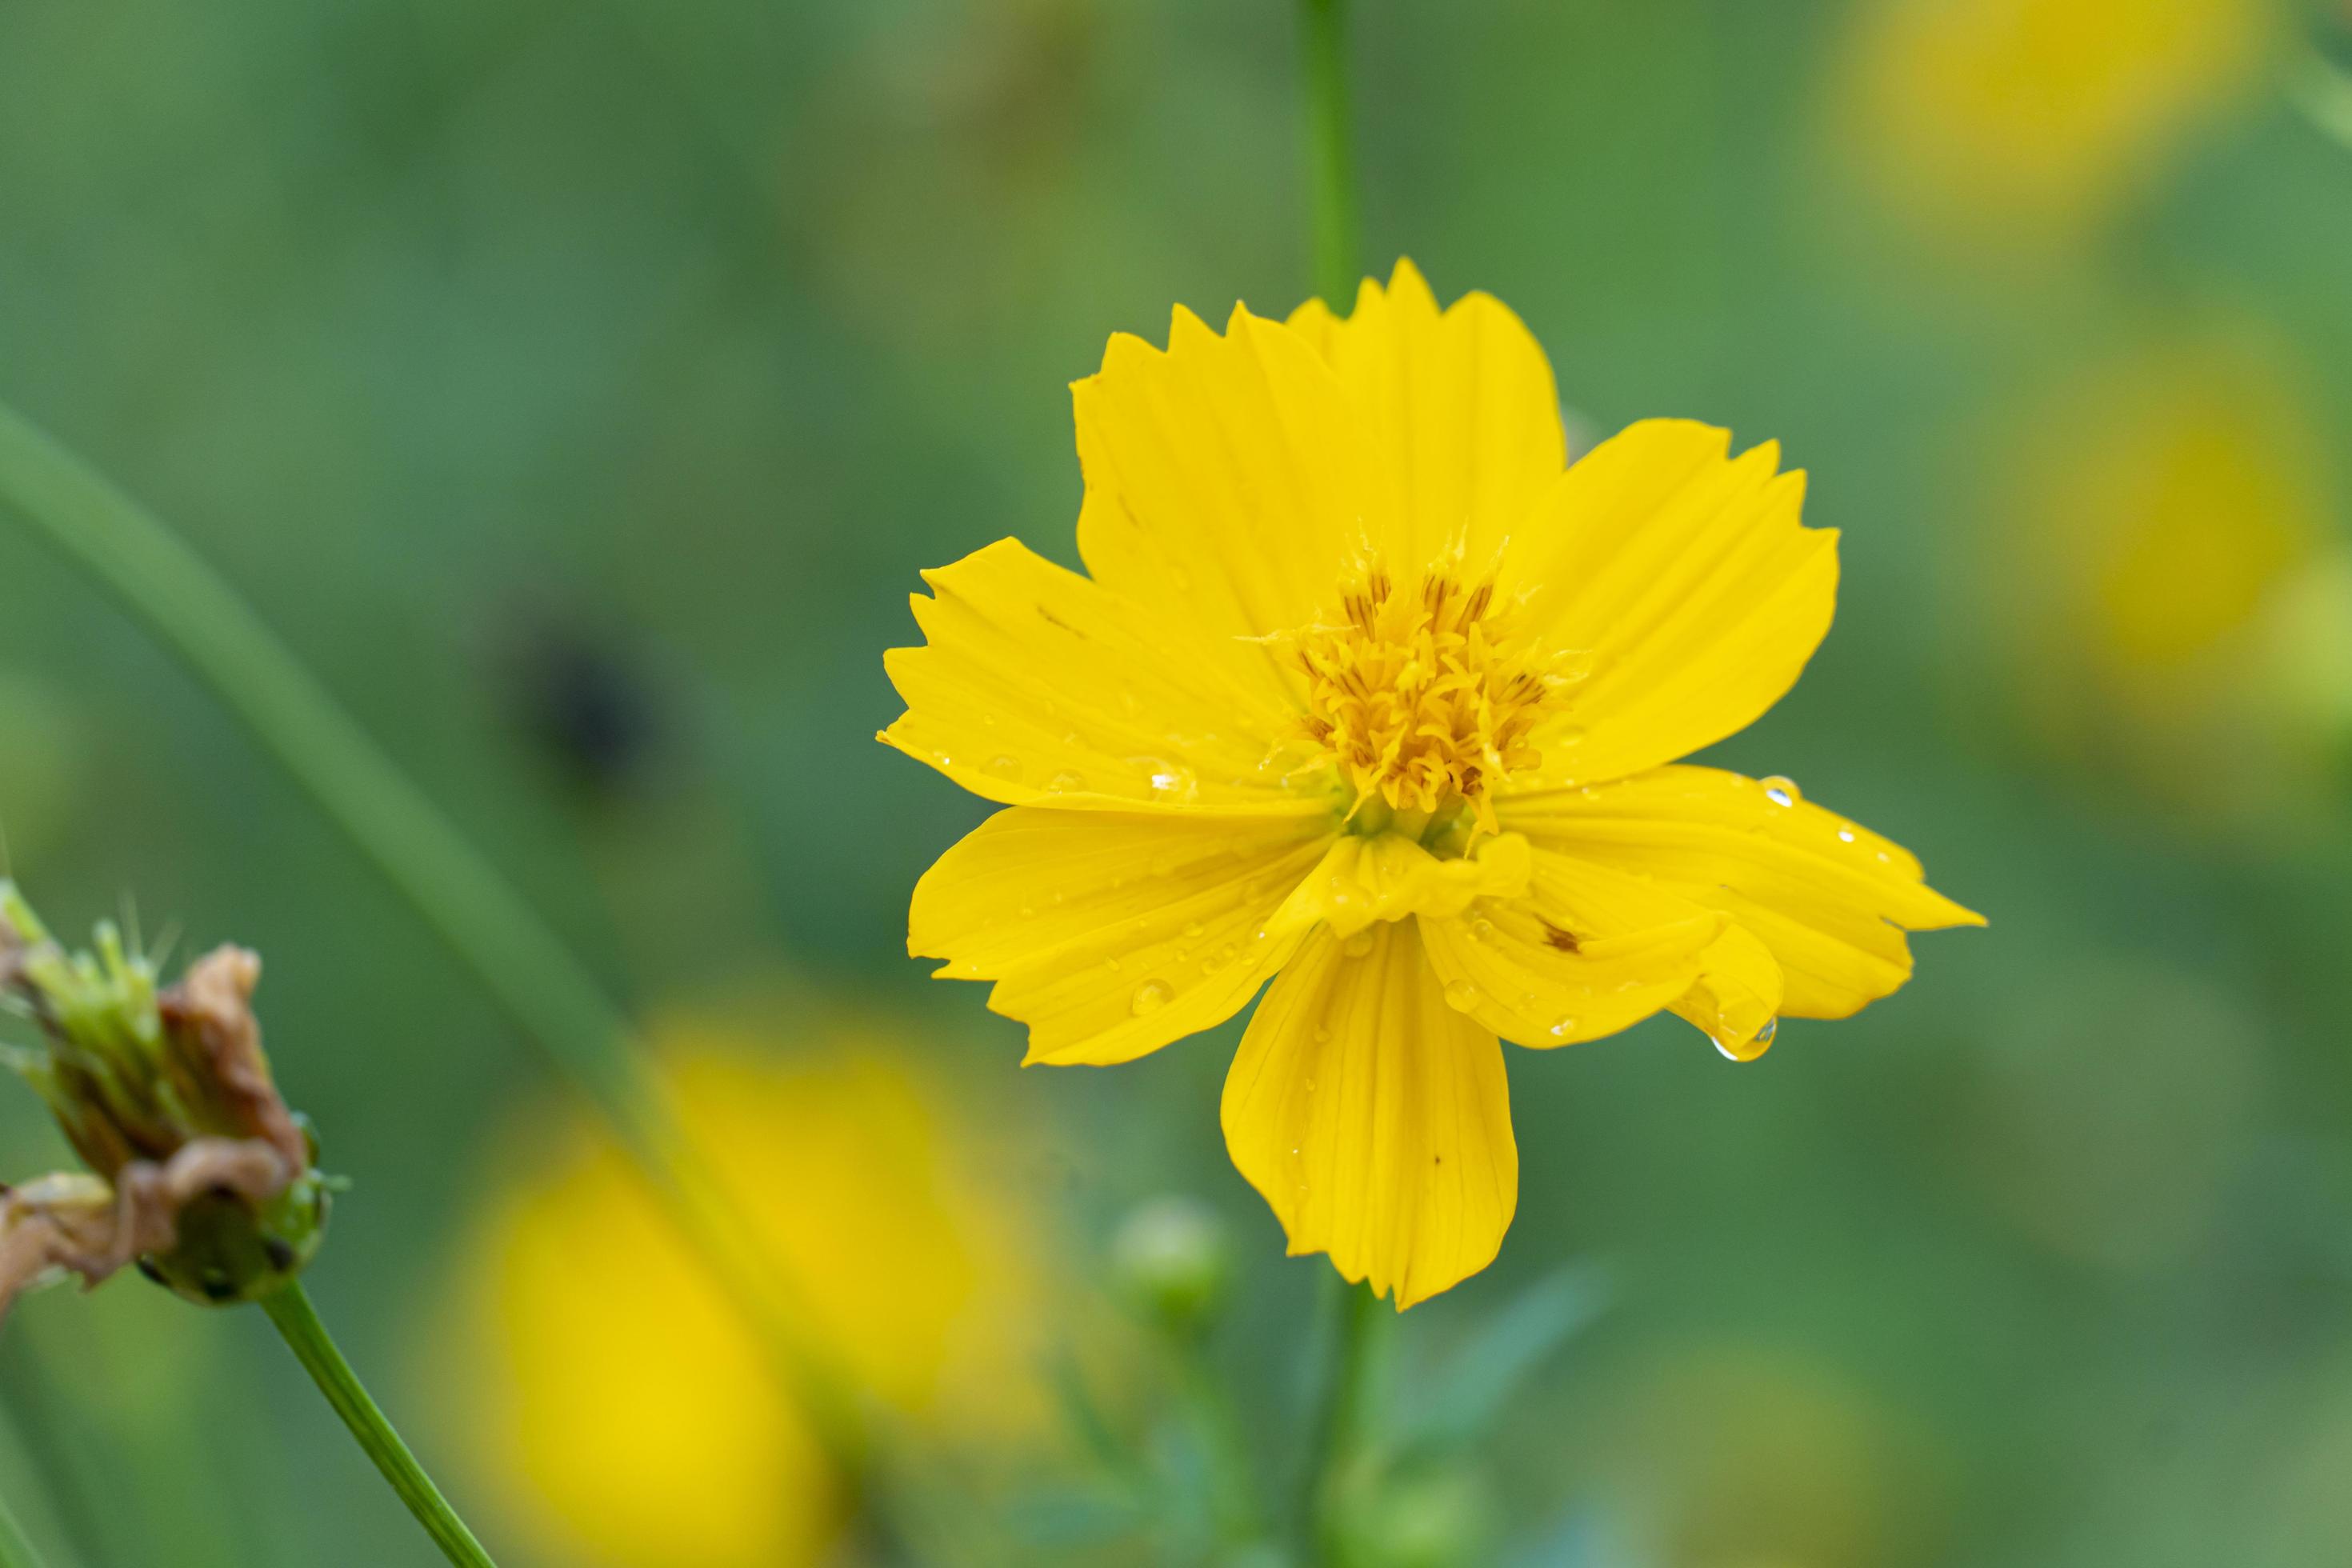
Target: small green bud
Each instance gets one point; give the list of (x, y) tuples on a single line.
[(1171, 1261), (200, 1175)]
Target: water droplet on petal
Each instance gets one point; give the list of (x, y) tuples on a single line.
[(1167, 779), (1006, 767), (1192, 928), (1845, 834), (1358, 945), (1462, 995), (1221, 959), (1782, 791), (1065, 782), (1152, 995), (1565, 1027), (1755, 1047), (1322, 1035)]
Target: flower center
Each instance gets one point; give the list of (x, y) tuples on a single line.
[(1424, 694)]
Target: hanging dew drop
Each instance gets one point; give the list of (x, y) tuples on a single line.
[(1782, 791), (1152, 995)]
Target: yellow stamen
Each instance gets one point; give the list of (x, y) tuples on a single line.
[(1428, 697)]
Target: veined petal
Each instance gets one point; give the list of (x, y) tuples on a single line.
[(1687, 583), (1038, 687), (1587, 951), (1109, 933), (1227, 484), (1374, 1118), (1462, 408), (1829, 898)]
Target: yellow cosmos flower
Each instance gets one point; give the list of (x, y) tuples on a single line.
[(1368, 694), (2001, 121), (617, 1392)]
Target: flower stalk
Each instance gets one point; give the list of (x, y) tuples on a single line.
[(1343, 1427), (297, 1321), (1330, 147), (17, 1548)]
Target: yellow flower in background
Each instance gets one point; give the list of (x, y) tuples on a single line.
[(617, 1393), (2174, 497), (1368, 692), (2001, 120)]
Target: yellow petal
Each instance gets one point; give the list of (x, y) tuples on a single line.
[(1736, 999), (1111, 934), (1688, 583), (1227, 484), (1830, 900), (1585, 952), (1461, 406), (1374, 1118), (1039, 687)]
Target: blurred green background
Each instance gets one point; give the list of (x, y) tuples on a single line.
[(579, 387)]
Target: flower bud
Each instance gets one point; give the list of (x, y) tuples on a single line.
[(198, 1170), (1171, 1261)]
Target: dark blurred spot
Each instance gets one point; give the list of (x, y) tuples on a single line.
[(584, 705)]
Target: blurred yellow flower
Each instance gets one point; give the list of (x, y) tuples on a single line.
[(2172, 495), (1997, 121), (1741, 1455), (1368, 688), (620, 1397)]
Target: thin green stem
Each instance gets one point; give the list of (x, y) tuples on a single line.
[(1343, 1431), (17, 1550), (1331, 148), (1217, 1427), (548, 992), (2322, 89), (307, 1337)]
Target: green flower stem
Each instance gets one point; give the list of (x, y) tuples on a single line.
[(1343, 1430), (1330, 150), (17, 1548), (2322, 89), (1217, 1426), (307, 1337), (540, 984)]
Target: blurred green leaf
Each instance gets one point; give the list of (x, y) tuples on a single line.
[(1469, 1391)]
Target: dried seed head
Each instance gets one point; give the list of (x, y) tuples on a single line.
[(198, 1171)]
